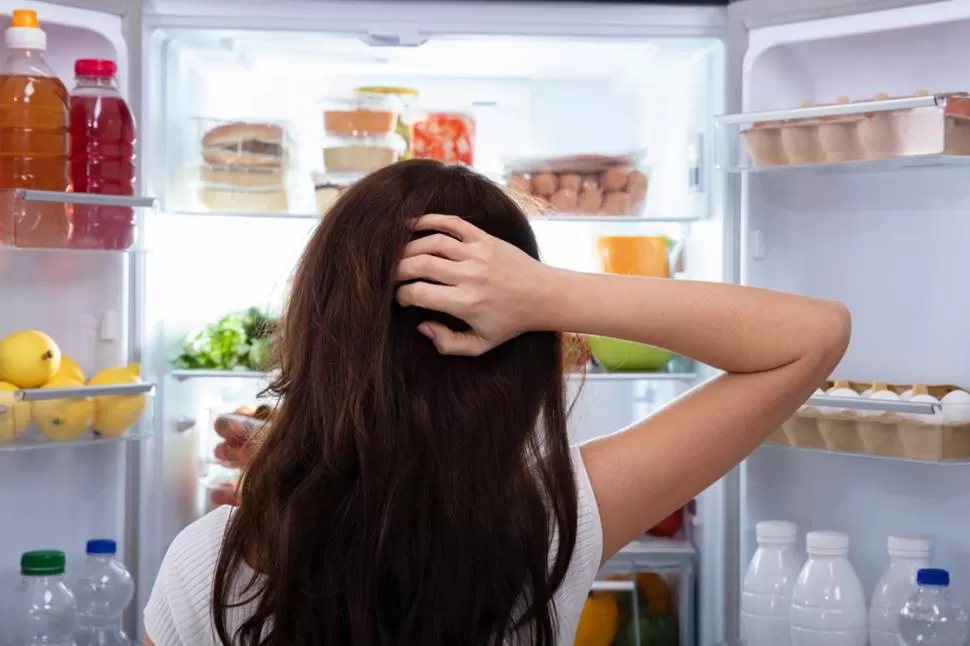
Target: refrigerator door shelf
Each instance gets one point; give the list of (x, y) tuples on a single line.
[(38, 418), (930, 130), (111, 223)]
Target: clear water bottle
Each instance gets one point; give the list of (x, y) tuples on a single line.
[(46, 606), (104, 589), (930, 617)]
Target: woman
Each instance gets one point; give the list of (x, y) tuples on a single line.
[(417, 485)]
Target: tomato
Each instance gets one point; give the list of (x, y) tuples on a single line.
[(669, 526), (445, 136)]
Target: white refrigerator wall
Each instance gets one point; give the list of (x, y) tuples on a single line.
[(892, 246)]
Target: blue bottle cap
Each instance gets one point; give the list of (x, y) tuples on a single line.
[(102, 546), (933, 576)]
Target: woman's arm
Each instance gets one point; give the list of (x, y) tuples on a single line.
[(775, 349)]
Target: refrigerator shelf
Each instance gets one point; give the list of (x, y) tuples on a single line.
[(564, 218), (248, 214), (47, 394), (654, 552), (871, 135), (774, 446), (185, 375), (33, 440)]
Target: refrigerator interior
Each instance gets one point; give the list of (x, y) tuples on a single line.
[(529, 95), (57, 497), (888, 242)]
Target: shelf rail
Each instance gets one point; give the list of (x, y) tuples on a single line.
[(838, 109), (883, 405), (79, 392), (93, 199)]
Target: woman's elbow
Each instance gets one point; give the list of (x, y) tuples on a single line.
[(834, 332)]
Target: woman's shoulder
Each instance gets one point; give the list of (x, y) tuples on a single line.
[(178, 609)]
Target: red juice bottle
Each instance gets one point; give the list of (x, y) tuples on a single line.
[(102, 156)]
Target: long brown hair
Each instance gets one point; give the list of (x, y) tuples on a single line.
[(401, 496)]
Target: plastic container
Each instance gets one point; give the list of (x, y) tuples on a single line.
[(406, 96), (939, 126), (46, 608), (766, 592), (33, 137), (897, 584), (103, 590), (930, 617), (230, 441), (359, 154), (363, 114), (102, 156), (244, 166), (327, 187), (218, 486), (589, 184), (828, 604), (448, 137), (940, 434)]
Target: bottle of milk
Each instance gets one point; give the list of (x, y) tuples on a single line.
[(767, 588), (828, 604), (898, 583)]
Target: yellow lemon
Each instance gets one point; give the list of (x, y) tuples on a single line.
[(115, 414), (14, 414), (70, 369), (63, 419), (28, 358)]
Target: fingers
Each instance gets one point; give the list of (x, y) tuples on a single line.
[(438, 244), (440, 298), (451, 224), (447, 341), (439, 270)]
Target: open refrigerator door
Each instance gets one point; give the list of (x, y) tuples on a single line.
[(600, 115), (75, 404), (844, 156)]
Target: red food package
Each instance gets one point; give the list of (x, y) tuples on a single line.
[(445, 136), (669, 526)]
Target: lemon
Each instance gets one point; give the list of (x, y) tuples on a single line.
[(63, 419), (115, 414), (15, 415), (28, 359), (70, 369)]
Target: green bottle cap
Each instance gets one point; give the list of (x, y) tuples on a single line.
[(42, 563)]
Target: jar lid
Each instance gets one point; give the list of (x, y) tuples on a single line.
[(42, 563), (102, 546), (98, 67), (933, 576)]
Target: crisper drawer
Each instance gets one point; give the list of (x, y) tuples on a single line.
[(881, 130)]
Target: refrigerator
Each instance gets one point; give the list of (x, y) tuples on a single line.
[(680, 82)]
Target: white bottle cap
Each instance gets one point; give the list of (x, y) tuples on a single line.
[(24, 31), (776, 531), (827, 543), (909, 546)]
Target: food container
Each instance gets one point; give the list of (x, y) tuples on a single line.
[(233, 433), (406, 96), (218, 486), (589, 184), (940, 431), (361, 154), (619, 355), (446, 136), (240, 190), (635, 255), (327, 187), (879, 128), (363, 114)]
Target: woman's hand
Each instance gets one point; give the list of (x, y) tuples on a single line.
[(463, 271)]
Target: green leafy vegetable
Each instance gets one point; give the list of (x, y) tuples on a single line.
[(238, 341)]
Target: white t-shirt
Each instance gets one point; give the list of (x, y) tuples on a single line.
[(178, 612)]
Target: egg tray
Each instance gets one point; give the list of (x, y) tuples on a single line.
[(857, 137), (892, 435)]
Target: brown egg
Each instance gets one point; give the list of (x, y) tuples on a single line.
[(519, 182), (614, 179), (590, 200), (616, 203), (636, 179), (544, 184), (571, 181), (564, 200)]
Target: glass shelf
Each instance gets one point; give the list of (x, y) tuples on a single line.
[(243, 214), (185, 375), (53, 221), (34, 418)]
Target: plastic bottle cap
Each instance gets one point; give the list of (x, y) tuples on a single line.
[(827, 543), (776, 531), (24, 18), (24, 31), (909, 546), (933, 576), (99, 67), (42, 563), (102, 546)]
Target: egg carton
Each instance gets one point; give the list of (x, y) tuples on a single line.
[(943, 435)]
